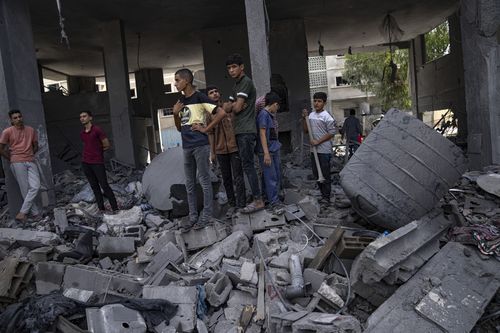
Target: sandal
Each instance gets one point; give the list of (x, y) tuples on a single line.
[(251, 208)]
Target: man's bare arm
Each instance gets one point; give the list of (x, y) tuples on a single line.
[(105, 144), (4, 152), (238, 105)]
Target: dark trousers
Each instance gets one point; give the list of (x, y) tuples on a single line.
[(353, 146), (96, 175), (324, 164), (232, 177), (246, 147)]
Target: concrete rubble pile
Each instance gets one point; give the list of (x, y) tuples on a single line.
[(313, 269)]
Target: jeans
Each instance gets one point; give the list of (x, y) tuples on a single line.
[(197, 159), (28, 179), (96, 175), (246, 146), (324, 164), (230, 167), (271, 177)]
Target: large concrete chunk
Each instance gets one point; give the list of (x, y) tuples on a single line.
[(317, 322), (402, 252), (115, 318), (401, 171), (169, 253), (200, 238), (235, 245), (101, 281), (49, 277), (115, 247), (29, 238), (451, 292), (260, 220)]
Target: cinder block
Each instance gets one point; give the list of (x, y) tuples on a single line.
[(169, 253), (235, 245), (350, 247), (200, 238), (115, 247), (218, 288)]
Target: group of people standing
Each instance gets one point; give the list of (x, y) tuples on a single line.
[(231, 133)]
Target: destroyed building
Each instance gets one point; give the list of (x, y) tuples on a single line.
[(409, 243)]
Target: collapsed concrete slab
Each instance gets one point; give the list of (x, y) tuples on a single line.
[(260, 220), (115, 318), (29, 238), (451, 292), (184, 297), (200, 238), (401, 171)]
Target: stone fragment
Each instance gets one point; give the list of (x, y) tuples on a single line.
[(330, 294), (248, 273), (235, 245), (60, 220), (310, 207), (79, 294), (106, 263)]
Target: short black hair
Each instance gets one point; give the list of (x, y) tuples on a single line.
[(320, 95), (234, 58), (14, 111), (211, 87), (87, 112), (271, 98), (186, 74), (352, 112)]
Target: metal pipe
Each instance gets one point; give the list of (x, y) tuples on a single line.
[(296, 289)]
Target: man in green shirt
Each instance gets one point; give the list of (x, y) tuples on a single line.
[(242, 103)]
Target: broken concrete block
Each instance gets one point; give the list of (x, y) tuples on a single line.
[(217, 289), (79, 294), (169, 253), (350, 246), (132, 216), (330, 294), (40, 254), (200, 238), (271, 242), (235, 245), (115, 247), (106, 263), (49, 277), (232, 268), (282, 322), (415, 166), (451, 292), (115, 318), (248, 273), (260, 220), (240, 299), (310, 207), (154, 221), (29, 238), (314, 277), (293, 212), (100, 281), (184, 297), (400, 253), (317, 322), (134, 231), (60, 220), (14, 275)]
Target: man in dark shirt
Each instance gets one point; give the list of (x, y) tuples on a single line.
[(190, 116), (95, 143), (352, 131), (243, 105)]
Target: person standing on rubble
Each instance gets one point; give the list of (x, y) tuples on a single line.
[(352, 131), (268, 150), (95, 142), (323, 130), (242, 104), (223, 145), (23, 145), (191, 113)]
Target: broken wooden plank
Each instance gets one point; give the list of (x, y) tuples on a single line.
[(325, 251)]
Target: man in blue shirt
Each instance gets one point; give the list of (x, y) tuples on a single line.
[(268, 149)]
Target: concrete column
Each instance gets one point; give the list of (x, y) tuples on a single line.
[(258, 46), (78, 84), (479, 22), (150, 88), (416, 59), (117, 82), (20, 89), (218, 44)]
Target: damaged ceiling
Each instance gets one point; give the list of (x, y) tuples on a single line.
[(169, 32)]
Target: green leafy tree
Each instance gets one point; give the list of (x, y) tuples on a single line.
[(437, 42), (373, 72)]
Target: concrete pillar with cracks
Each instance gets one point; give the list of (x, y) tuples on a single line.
[(479, 22), (258, 46), (20, 89), (117, 83)]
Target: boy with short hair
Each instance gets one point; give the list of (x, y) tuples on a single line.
[(224, 147), (190, 117), (243, 105), (268, 150), (323, 130)]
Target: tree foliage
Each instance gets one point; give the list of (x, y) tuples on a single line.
[(437, 42), (372, 72)]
